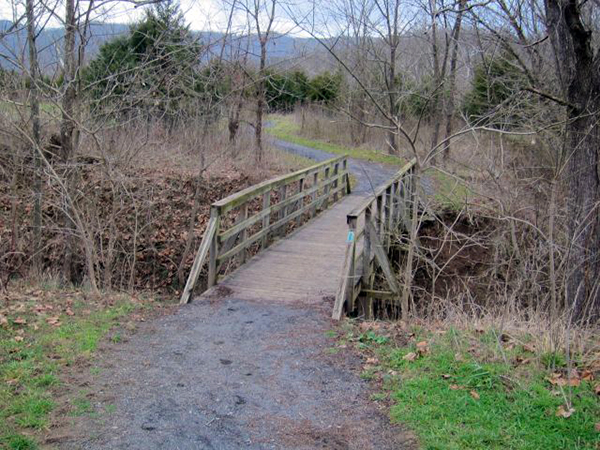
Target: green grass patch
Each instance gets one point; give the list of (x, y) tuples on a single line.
[(284, 128), (36, 345), (461, 391)]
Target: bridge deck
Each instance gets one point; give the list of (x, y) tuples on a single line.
[(304, 268)]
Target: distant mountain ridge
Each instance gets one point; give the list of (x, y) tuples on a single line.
[(13, 45)]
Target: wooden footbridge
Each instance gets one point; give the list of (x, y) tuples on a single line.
[(303, 237)]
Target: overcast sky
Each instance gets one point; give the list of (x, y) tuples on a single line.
[(206, 15)]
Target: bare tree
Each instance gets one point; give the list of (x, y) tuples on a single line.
[(578, 72)]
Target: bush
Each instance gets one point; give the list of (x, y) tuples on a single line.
[(496, 80)]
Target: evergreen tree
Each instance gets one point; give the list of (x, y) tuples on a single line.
[(151, 72)]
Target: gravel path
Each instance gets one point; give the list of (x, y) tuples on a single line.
[(227, 373), (223, 373), (369, 175)]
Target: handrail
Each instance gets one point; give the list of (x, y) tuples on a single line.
[(370, 227), (298, 194), (234, 200)]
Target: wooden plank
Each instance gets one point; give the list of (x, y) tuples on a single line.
[(382, 259), (379, 294), (208, 237)]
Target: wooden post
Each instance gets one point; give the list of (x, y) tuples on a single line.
[(387, 237), (336, 170), (367, 247), (347, 176), (380, 215), (282, 211), (214, 249), (301, 189), (408, 199), (326, 193), (244, 233), (352, 274), (397, 203), (267, 219), (314, 195)]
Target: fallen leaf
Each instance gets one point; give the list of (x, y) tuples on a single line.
[(565, 413), (3, 320), (455, 387), (18, 338), (373, 361), (445, 376), (70, 312), (474, 394), (597, 427), (410, 356), (20, 321), (587, 375), (597, 389), (12, 381), (528, 348), (422, 344), (55, 321)]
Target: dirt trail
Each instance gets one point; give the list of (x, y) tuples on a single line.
[(226, 373)]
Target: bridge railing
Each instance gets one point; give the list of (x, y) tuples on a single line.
[(249, 219), (370, 229)]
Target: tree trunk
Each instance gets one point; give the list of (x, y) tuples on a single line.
[(34, 106), (260, 100), (452, 78), (67, 126), (579, 75)]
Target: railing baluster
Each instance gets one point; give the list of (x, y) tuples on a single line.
[(336, 169), (326, 201), (282, 211), (243, 233), (387, 237), (367, 247), (214, 249), (266, 204), (315, 194)]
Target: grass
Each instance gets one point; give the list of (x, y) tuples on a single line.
[(41, 336), (16, 109), (468, 391), (449, 192), (285, 129)]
